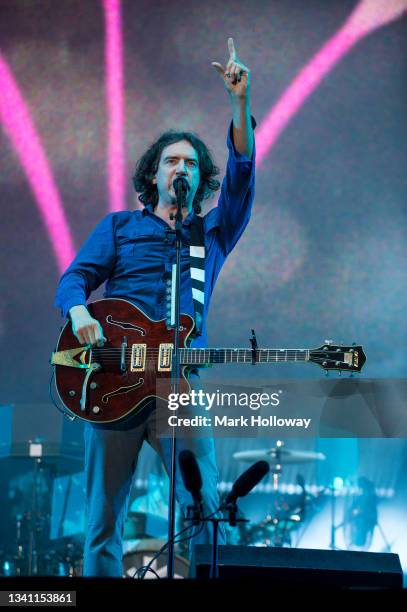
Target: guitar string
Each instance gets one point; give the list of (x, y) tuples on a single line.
[(110, 359), (201, 350), (116, 353), (221, 359), (211, 352)]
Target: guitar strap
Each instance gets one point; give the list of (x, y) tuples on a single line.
[(197, 267)]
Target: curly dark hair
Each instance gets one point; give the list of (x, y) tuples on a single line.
[(147, 167)]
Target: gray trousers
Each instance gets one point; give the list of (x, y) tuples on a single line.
[(111, 453)]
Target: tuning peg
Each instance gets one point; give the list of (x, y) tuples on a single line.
[(340, 372), (326, 372), (329, 342)]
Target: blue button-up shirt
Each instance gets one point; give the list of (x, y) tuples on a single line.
[(133, 251)]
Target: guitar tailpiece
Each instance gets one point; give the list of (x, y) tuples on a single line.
[(94, 367)]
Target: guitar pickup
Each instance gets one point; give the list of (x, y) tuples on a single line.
[(138, 357), (165, 357)]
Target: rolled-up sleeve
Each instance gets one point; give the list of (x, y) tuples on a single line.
[(237, 193), (91, 267)]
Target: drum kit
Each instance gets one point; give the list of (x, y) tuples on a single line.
[(29, 473), (287, 512)]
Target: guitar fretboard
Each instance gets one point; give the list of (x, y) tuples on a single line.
[(231, 355)]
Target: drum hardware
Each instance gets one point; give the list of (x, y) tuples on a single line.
[(141, 554), (31, 553), (66, 560), (276, 528)]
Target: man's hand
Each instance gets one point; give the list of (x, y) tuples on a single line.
[(236, 76), (86, 329)]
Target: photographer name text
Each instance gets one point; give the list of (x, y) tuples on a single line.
[(225, 421)]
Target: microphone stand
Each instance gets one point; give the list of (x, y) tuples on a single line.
[(175, 372), (232, 519)]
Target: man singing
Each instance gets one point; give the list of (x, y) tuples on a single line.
[(134, 253)]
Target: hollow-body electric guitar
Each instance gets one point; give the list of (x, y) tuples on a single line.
[(105, 384)]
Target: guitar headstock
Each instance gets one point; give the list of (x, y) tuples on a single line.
[(336, 357)]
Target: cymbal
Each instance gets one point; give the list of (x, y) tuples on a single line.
[(61, 460), (279, 456)]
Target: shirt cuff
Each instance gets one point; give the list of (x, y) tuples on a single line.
[(66, 306)]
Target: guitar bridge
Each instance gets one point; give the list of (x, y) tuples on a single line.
[(138, 357), (165, 357)]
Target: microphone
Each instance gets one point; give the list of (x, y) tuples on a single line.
[(191, 474), (247, 481), (181, 186)]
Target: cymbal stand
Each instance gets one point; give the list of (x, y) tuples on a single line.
[(334, 527), (32, 540)]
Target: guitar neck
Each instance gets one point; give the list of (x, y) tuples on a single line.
[(190, 356)]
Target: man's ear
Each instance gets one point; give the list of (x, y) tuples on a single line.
[(154, 180)]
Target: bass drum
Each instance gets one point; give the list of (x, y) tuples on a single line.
[(141, 553)]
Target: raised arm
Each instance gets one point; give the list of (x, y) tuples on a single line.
[(237, 192), (236, 78)]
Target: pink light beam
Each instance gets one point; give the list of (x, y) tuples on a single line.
[(115, 104), (368, 16), (15, 118)]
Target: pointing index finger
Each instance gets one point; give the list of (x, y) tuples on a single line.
[(232, 51)]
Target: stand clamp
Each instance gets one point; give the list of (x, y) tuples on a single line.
[(253, 342)]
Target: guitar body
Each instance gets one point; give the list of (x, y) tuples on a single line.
[(109, 393)]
